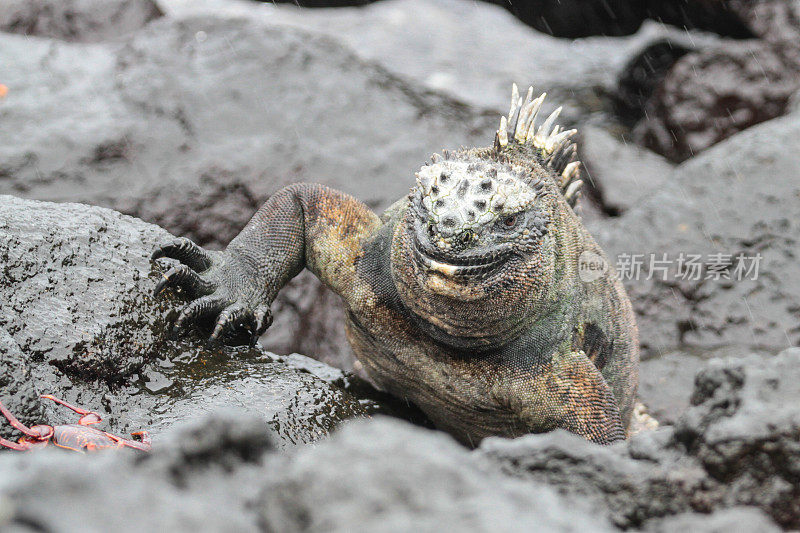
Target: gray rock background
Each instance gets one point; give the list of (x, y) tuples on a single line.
[(80, 322), (190, 113)]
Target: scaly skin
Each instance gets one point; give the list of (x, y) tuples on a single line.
[(464, 297)]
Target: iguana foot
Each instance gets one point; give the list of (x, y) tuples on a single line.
[(222, 289)]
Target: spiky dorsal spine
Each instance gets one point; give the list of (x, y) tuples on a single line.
[(554, 147)]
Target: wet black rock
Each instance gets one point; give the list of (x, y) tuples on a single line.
[(74, 283), (730, 205), (80, 322), (643, 75), (192, 124), (17, 391), (77, 20), (711, 95)]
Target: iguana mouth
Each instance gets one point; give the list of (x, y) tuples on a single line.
[(470, 266)]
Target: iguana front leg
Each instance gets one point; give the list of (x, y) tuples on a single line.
[(301, 226), (567, 392)]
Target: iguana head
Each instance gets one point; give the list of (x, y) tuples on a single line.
[(472, 246), (471, 217), (488, 233)]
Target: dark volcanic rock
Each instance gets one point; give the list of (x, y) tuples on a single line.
[(76, 20), (619, 174), (711, 94), (738, 199), (737, 445), (17, 391), (579, 18), (193, 124), (643, 74), (199, 480), (74, 284), (466, 57), (666, 381), (80, 322), (730, 465), (388, 476), (743, 427)]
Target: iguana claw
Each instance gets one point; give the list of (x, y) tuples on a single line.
[(185, 251), (202, 307), (186, 278), (220, 295)]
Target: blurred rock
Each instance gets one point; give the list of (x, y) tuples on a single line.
[(580, 18), (742, 519), (643, 75), (738, 199), (618, 173), (730, 465), (388, 476), (667, 380), (77, 20), (200, 479), (665, 384), (711, 94), (80, 322), (475, 54)]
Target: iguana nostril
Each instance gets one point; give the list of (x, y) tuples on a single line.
[(449, 222)]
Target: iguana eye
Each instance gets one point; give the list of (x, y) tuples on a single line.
[(510, 222)]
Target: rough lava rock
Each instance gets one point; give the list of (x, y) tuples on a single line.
[(465, 57), (388, 476), (738, 199), (77, 20), (716, 92), (667, 380), (192, 124), (743, 428), (80, 321), (736, 446), (729, 465), (618, 173), (17, 391)]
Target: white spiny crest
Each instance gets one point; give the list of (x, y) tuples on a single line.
[(553, 144)]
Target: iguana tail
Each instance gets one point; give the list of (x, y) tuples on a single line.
[(552, 147)]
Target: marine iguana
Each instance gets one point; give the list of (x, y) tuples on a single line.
[(465, 297)]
